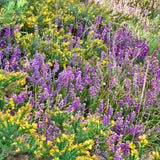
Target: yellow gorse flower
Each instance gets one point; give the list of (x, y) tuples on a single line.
[(113, 123), (132, 145), (143, 139), (52, 152), (49, 143), (155, 154), (134, 152), (38, 153), (43, 138), (58, 140), (18, 149)]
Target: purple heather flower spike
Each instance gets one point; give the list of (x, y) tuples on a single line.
[(8, 31), (76, 104), (56, 66), (92, 91), (1, 56), (58, 21), (80, 28), (110, 111), (74, 60), (90, 112), (121, 102), (79, 86), (101, 106), (70, 28), (86, 3)]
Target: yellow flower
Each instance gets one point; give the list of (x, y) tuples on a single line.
[(18, 149), (43, 138), (64, 136), (22, 140), (110, 132), (64, 66), (38, 153), (103, 62), (144, 136), (32, 131), (50, 64), (132, 145), (58, 140), (52, 152), (113, 123), (90, 147), (155, 154), (102, 133), (31, 7), (34, 125), (18, 122), (49, 143), (94, 156), (14, 143), (145, 142), (57, 150), (134, 152), (4, 138), (27, 125), (27, 145), (143, 139), (41, 144), (84, 129), (12, 104)]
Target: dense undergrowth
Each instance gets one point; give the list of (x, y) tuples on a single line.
[(78, 81)]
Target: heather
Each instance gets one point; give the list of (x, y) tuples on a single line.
[(143, 18), (77, 83)]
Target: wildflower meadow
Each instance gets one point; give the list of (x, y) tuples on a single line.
[(79, 80)]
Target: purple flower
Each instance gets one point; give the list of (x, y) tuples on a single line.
[(121, 102), (58, 21), (70, 28), (8, 31), (110, 111), (90, 112), (56, 66), (80, 28), (74, 59), (79, 86), (92, 91), (76, 104), (105, 120), (101, 106), (86, 4)]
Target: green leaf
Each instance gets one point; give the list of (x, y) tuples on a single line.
[(11, 5), (21, 3)]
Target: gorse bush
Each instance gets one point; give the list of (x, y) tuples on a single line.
[(76, 83)]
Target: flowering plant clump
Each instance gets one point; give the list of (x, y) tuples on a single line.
[(144, 18), (76, 82), (64, 32), (10, 83)]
